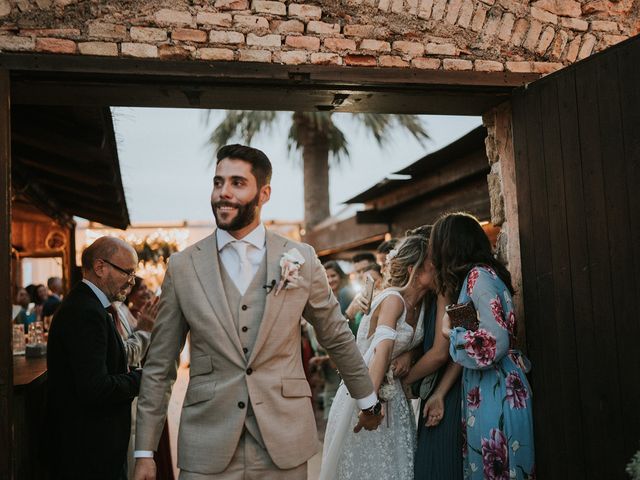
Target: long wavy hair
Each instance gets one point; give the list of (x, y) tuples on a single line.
[(412, 252), (458, 243), (335, 266)]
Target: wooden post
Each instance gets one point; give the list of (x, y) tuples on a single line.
[(6, 354)]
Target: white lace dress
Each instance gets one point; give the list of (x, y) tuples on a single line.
[(386, 453)]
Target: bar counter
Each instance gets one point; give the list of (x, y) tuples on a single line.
[(28, 370)]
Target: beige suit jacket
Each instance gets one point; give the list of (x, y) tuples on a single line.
[(222, 379)]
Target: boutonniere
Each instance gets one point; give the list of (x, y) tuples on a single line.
[(290, 264)]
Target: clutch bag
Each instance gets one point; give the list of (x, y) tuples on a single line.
[(463, 315), (423, 388)]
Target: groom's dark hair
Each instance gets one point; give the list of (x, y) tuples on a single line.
[(260, 164)]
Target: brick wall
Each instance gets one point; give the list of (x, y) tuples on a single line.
[(483, 35)]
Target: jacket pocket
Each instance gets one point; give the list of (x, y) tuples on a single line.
[(199, 393), (200, 365), (295, 387)]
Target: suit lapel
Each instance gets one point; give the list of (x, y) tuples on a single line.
[(207, 266), (276, 246)]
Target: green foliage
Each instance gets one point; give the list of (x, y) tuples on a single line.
[(633, 467)]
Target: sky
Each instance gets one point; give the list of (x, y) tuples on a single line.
[(167, 168)]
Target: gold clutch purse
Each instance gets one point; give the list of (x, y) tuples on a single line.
[(463, 315)]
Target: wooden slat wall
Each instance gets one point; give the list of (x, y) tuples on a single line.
[(577, 147)]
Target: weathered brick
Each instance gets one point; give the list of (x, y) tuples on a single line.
[(424, 11), (339, 44), (457, 64), (5, 8), (610, 40), (264, 41), (292, 57), (263, 56), (315, 26), (544, 16), (506, 26), (55, 45), (286, 26), (232, 5), (166, 16), (251, 23), (546, 67), (478, 19), (147, 35), (413, 6), (517, 7), (437, 12), (563, 8), (51, 32), (411, 49), (375, 45), (215, 54), (231, 38), (140, 50), (453, 11), (466, 12), (426, 63), (604, 26), (441, 49), (519, 67), (519, 32), (305, 11), (531, 40), (397, 6), (175, 52), (588, 42), (488, 66), (559, 44), (545, 40), (303, 42), (17, 44), (365, 31), (107, 30), (105, 49), (393, 61), (326, 59), (574, 24), (214, 19), (384, 5), (189, 35), (574, 48), (491, 25), (270, 7), (361, 60)]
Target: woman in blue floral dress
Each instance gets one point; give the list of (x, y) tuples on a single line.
[(497, 419)]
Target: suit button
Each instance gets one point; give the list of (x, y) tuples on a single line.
[(244, 329), (249, 371), (240, 404), (245, 349), (244, 307)]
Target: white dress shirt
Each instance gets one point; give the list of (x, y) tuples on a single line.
[(256, 248)]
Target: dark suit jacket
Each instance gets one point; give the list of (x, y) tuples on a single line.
[(90, 391)]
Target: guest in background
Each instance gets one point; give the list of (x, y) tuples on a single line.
[(51, 304), (339, 284), (24, 317), (360, 262), (90, 388), (496, 396), (383, 250)]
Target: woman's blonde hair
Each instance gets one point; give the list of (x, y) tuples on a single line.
[(412, 251)]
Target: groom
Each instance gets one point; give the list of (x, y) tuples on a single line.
[(247, 412)]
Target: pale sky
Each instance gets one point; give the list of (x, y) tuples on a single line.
[(167, 175)]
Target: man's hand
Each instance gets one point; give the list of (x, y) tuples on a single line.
[(368, 422), (145, 469), (402, 364), (147, 315)]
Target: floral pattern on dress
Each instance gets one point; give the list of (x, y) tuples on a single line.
[(496, 397)]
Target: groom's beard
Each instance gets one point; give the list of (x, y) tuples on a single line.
[(246, 213)]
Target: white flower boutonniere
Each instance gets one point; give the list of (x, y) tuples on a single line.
[(290, 264)]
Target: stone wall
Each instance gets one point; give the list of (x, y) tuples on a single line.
[(481, 35)]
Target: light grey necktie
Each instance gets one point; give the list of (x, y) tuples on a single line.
[(244, 272)]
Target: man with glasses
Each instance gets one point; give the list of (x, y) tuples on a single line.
[(90, 385)]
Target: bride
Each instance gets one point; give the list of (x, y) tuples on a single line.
[(393, 327)]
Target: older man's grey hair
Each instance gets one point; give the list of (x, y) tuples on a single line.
[(103, 247)]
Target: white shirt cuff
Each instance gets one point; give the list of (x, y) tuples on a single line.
[(367, 402), (143, 454)]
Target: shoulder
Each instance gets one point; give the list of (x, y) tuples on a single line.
[(306, 250), (481, 277), (391, 299)]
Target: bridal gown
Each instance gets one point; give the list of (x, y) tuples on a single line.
[(386, 453)]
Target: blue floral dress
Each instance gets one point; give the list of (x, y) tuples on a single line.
[(497, 423)]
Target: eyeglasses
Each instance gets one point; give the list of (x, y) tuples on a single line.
[(128, 273)]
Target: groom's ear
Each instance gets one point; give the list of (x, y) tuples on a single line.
[(265, 194)]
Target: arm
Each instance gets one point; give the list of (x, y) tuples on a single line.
[(434, 407), (438, 354), (136, 346), (487, 345), (389, 311)]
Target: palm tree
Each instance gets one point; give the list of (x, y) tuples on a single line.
[(319, 139)]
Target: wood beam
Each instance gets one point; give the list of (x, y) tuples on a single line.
[(6, 353)]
